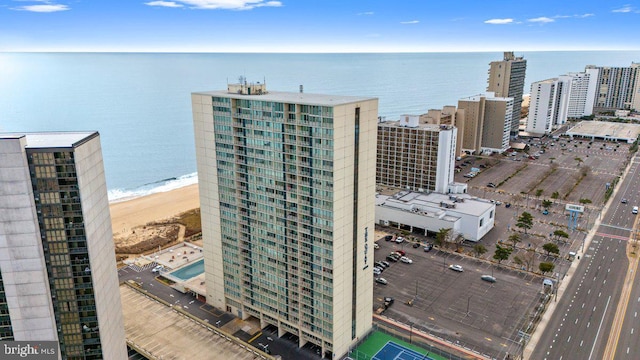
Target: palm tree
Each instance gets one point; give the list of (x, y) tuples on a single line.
[(578, 160)]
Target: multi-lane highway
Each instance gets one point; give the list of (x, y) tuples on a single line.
[(583, 320)]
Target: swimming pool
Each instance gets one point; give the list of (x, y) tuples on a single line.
[(189, 271)]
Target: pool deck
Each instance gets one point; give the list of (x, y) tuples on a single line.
[(176, 256)]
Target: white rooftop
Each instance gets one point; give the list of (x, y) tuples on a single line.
[(432, 203), (51, 139), (291, 97)]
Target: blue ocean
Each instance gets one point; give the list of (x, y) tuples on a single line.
[(141, 102)]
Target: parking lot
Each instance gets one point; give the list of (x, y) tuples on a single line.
[(484, 316), (457, 306)]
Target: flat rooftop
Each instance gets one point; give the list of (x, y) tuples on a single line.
[(167, 334), (431, 203), (606, 129), (51, 139), (292, 97)]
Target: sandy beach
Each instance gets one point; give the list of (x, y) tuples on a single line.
[(126, 215)]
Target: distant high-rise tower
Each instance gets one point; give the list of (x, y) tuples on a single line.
[(57, 269), (416, 156), (506, 79), (485, 120), (287, 197), (618, 87)]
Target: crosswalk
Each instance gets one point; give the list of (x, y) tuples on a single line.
[(138, 268)]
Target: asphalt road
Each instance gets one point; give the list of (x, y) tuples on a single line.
[(582, 321)]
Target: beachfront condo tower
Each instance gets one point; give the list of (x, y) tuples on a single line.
[(416, 155), (58, 278), (506, 79), (287, 192)]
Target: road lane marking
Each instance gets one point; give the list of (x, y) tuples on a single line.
[(599, 327)]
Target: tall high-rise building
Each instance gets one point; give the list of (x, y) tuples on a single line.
[(416, 156), (506, 79), (553, 101), (582, 92), (287, 191), (57, 267), (544, 106), (486, 123), (618, 87)]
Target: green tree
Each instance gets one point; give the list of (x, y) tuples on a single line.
[(561, 234), (578, 160), (442, 237), (551, 248), (555, 195), (479, 249), (514, 239), (502, 253), (539, 193), (546, 204), (525, 221), (585, 201), (546, 267)]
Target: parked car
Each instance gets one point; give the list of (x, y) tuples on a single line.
[(380, 264), (399, 240), (393, 258), (635, 210), (376, 271), (388, 301), (428, 247), (406, 260), (488, 278), (382, 281), (401, 252), (416, 245), (376, 246), (457, 268), (491, 185), (388, 238), (507, 205), (545, 212), (385, 263)]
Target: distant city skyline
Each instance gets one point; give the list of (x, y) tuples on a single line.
[(330, 26)]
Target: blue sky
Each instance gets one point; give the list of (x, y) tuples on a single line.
[(318, 25)]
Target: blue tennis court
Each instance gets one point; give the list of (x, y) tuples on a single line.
[(393, 351)]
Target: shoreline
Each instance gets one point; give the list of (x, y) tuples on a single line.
[(139, 211)]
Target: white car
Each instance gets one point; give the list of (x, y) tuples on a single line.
[(400, 240), (157, 269), (406, 260), (457, 268), (376, 271)]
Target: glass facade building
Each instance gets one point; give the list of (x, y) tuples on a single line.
[(69, 286), (287, 184)]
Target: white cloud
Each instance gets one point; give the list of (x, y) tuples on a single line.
[(43, 8), (498, 21), (222, 4), (542, 20), (164, 4), (585, 15), (366, 13), (409, 22), (624, 9)]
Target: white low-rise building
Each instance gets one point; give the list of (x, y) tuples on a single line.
[(468, 216)]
